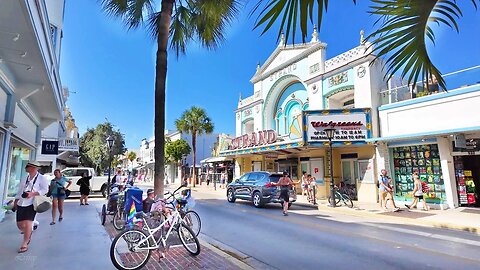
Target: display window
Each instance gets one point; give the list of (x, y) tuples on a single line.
[(18, 159), (424, 159)]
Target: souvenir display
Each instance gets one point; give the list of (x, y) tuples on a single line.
[(467, 194), (425, 160)]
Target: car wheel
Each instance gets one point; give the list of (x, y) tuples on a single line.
[(103, 190), (230, 196), (257, 199)]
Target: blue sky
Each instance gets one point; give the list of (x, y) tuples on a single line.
[(110, 71)]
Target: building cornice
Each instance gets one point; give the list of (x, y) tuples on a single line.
[(309, 50), (260, 101)]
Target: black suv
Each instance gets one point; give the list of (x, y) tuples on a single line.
[(255, 187)]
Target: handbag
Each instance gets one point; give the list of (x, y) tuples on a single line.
[(41, 203), (67, 193)]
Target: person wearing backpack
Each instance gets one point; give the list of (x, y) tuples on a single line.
[(417, 193)]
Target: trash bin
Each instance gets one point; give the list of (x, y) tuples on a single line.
[(133, 195)]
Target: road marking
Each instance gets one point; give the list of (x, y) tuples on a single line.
[(426, 234), (359, 234)]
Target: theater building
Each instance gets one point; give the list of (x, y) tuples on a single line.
[(297, 93)]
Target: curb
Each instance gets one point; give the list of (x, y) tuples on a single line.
[(223, 252), (436, 224)]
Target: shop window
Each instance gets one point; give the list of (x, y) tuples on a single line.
[(19, 158), (424, 159)]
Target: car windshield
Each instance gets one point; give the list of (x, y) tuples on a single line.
[(275, 177)]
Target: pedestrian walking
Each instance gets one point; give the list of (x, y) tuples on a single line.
[(84, 184), (385, 189), (310, 185), (58, 192), (285, 183), (33, 185), (305, 184), (417, 193)]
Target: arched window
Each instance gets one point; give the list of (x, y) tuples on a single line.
[(248, 126)]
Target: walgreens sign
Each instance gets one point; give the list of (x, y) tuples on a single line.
[(349, 127)]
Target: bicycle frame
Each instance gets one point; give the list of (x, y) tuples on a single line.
[(176, 219)]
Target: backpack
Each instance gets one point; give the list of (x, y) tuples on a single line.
[(425, 187)]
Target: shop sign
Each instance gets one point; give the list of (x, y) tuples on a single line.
[(471, 145), (349, 127), (259, 138), (49, 147)]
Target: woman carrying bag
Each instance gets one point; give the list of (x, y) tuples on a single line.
[(58, 191), (34, 184), (84, 184)]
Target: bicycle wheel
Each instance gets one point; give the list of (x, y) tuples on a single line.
[(104, 214), (347, 201), (189, 240), (119, 220), (125, 251), (192, 219), (337, 199)]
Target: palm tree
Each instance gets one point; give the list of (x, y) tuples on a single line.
[(195, 122), (181, 21), (403, 26), (131, 156)]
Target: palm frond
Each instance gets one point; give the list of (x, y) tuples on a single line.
[(132, 12), (292, 12), (403, 26), (210, 19)]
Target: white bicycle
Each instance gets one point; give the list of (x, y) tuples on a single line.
[(132, 248)]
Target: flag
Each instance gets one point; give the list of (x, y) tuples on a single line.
[(131, 214)]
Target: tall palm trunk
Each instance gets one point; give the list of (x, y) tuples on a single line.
[(160, 81), (194, 146)]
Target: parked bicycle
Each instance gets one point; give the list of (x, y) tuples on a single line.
[(132, 248), (189, 216), (340, 197)]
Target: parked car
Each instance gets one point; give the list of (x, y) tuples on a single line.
[(97, 183), (256, 187)]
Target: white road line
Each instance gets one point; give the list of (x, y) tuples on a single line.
[(426, 234)]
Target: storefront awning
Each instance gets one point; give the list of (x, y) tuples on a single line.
[(215, 159)]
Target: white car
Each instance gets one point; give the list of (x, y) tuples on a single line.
[(97, 183)]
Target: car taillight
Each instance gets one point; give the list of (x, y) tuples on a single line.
[(267, 185)]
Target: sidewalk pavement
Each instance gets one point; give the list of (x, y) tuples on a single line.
[(81, 242), (462, 218), (78, 242)]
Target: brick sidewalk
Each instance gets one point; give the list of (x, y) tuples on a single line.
[(178, 258)]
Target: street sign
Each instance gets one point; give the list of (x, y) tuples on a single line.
[(49, 147)]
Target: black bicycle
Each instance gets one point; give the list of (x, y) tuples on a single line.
[(340, 197)]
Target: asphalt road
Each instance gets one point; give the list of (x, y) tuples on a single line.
[(309, 239)]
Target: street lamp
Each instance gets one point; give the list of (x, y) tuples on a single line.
[(330, 132), (110, 141)]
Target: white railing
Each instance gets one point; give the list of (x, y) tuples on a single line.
[(68, 144), (454, 80)]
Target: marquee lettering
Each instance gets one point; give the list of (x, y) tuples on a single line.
[(336, 124), (259, 138)]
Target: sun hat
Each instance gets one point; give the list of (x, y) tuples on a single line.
[(33, 163)]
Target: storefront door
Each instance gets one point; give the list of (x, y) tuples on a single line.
[(350, 176), (467, 173)]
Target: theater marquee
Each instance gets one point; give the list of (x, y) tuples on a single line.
[(351, 126)]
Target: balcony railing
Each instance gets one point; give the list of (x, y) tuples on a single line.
[(68, 144), (454, 80)]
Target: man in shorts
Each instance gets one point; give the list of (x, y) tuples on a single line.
[(385, 190)]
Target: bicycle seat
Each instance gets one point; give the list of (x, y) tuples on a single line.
[(140, 215)]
